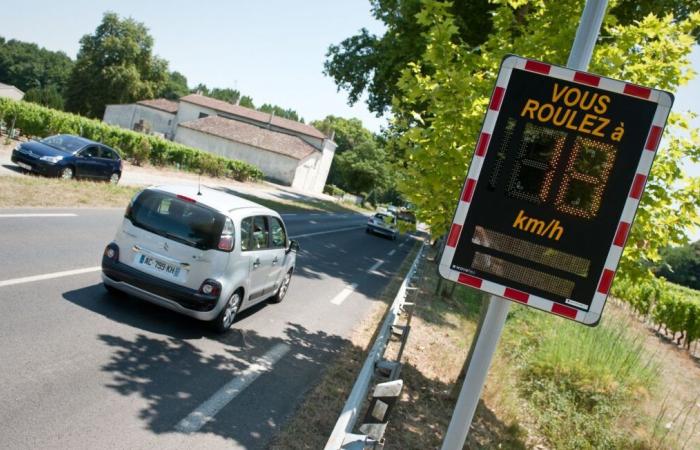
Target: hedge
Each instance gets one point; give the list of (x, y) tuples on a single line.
[(38, 121), (673, 307)]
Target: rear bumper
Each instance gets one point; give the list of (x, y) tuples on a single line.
[(380, 230), (161, 292), (38, 166)]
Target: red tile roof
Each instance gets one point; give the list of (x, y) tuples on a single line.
[(245, 133), (162, 104), (252, 114)]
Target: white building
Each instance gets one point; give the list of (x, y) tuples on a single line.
[(287, 152), (11, 92), (155, 116)]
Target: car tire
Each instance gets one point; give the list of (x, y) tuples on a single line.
[(284, 287), (114, 178), (67, 173), (227, 316), (367, 230), (393, 237)]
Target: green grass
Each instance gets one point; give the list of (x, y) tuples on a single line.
[(581, 383)]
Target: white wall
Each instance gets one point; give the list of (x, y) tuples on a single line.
[(126, 116), (11, 93), (274, 166), (324, 166)]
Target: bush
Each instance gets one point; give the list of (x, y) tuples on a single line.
[(36, 120), (333, 190)]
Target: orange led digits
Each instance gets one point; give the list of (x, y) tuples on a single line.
[(585, 178), (536, 163)]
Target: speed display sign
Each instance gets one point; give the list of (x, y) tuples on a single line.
[(558, 171)]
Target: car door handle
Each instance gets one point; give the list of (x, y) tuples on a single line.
[(275, 261), (256, 263)]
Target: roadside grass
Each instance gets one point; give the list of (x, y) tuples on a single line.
[(34, 191), (553, 383), (315, 418)]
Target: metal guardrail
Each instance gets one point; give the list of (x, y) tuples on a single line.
[(350, 413)]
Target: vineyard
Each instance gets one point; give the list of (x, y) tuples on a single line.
[(39, 121), (673, 309)]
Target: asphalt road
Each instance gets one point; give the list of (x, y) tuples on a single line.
[(83, 369)]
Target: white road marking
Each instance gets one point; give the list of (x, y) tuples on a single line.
[(207, 410), (345, 293), (391, 253), (8, 216), (401, 244), (337, 230), (48, 276), (375, 266)]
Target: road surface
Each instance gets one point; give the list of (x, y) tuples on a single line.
[(82, 369)]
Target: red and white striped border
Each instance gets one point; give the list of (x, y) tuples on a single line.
[(592, 316)]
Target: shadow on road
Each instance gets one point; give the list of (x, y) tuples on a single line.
[(175, 377)]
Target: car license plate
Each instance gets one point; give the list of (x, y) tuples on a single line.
[(24, 166), (159, 266)]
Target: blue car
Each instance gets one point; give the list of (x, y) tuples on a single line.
[(69, 157)]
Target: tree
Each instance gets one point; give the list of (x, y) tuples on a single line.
[(681, 265), (444, 95), (115, 65), (48, 96), (372, 64), (366, 62), (281, 112), (175, 87), (28, 66), (225, 94)]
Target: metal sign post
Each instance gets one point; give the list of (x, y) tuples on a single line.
[(495, 319)]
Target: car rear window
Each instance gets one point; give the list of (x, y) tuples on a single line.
[(180, 220)]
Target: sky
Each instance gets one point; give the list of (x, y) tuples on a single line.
[(272, 51)]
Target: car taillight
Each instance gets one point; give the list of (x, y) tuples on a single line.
[(112, 252), (226, 239), (210, 287)]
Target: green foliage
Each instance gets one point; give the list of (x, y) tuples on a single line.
[(39, 121), (366, 62), (444, 96), (115, 65), (333, 190), (674, 307), (578, 381), (281, 112), (48, 96), (28, 66), (175, 87), (681, 265)]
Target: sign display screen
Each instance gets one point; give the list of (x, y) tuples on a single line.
[(556, 178)]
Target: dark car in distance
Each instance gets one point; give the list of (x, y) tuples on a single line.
[(69, 157)]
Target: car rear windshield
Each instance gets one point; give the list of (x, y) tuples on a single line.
[(386, 218), (180, 220)]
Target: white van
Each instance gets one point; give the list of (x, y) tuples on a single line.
[(203, 253)]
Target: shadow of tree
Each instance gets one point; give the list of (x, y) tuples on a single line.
[(175, 377)]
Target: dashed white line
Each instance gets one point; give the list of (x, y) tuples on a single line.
[(18, 215), (375, 266), (48, 276), (207, 410), (342, 295), (337, 230), (391, 253)]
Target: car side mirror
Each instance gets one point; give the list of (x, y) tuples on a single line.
[(293, 246)]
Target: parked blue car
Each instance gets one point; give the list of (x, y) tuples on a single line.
[(69, 157)]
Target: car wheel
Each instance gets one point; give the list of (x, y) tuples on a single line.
[(114, 179), (367, 230), (284, 287), (67, 173), (227, 315), (393, 237)]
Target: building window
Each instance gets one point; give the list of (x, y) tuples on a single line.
[(202, 115)]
